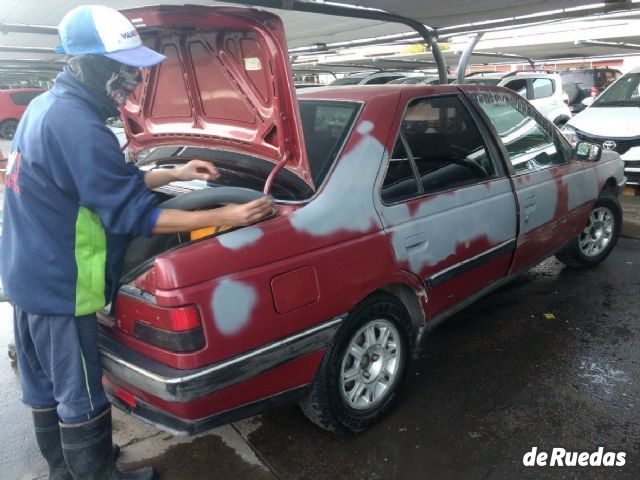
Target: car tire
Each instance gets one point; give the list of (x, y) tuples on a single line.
[(211, 198), (8, 129), (598, 238), (364, 368)]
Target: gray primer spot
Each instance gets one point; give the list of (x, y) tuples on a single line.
[(240, 238), (345, 203), (452, 219), (232, 304)]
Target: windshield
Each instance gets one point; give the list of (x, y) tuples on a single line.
[(623, 93)]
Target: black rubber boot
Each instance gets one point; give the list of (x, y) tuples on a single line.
[(89, 452), (45, 421)]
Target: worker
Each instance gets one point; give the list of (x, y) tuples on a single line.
[(71, 204)]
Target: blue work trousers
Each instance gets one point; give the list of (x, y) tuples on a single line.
[(59, 364)]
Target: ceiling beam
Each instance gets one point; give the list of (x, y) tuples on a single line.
[(23, 28)]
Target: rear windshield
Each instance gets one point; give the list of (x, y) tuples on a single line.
[(23, 98), (325, 125), (482, 81), (347, 81)]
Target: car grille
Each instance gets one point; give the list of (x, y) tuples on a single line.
[(623, 145)]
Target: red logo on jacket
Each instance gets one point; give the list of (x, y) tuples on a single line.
[(13, 170)]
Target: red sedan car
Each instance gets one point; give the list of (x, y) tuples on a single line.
[(397, 206)]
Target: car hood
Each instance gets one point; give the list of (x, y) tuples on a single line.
[(615, 122), (226, 83)]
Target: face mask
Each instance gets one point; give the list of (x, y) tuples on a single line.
[(122, 83)]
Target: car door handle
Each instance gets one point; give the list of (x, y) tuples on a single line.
[(418, 240)]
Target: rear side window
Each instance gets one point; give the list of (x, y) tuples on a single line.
[(23, 98), (542, 88), (579, 78), (325, 125), (439, 147), (529, 143), (518, 86)]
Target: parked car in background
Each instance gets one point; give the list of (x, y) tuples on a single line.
[(586, 82), (543, 90), (613, 121), (377, 78), (421, 80), (13, 103), (396, 207)]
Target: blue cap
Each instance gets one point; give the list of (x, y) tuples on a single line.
[(99, 30)]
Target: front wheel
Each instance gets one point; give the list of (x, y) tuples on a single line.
[(364, 368), (598, 238)]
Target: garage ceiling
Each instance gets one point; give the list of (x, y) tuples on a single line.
[(304, 29)]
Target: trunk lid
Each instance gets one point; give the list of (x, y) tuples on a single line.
[(226, 84)]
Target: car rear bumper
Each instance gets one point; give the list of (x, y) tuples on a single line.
[(176, 385), (179, 426)]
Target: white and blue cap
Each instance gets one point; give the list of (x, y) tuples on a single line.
[(99, 30)]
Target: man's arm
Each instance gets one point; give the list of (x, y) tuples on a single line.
[(172, 220)]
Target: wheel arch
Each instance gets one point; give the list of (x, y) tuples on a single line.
[(610, 185), (413, 301)]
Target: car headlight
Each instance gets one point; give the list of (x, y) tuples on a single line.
[(570, 134)]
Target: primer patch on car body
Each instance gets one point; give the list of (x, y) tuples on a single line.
[(240, 238), (232, 304), (446, 222), (328, 213)]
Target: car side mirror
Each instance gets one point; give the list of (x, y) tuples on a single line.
[(589, 152)]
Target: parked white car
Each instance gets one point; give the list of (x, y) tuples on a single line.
[(543, 90), (377, 78), (613, 121)]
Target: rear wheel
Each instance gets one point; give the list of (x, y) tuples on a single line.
[(598, 238), (364, 368), (8, 129)]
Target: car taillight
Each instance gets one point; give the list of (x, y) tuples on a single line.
[(595, 91), (178, 329)]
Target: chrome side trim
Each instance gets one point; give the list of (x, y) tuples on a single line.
[(181, 386), (470, 263)]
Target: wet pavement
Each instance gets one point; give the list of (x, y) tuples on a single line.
[(550, 361)]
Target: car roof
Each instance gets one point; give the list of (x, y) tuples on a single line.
[(362, 93)]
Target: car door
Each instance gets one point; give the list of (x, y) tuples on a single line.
[(445, 202), (549, 186)]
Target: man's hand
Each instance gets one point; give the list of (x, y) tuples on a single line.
[(245, 213), (196, 170)]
